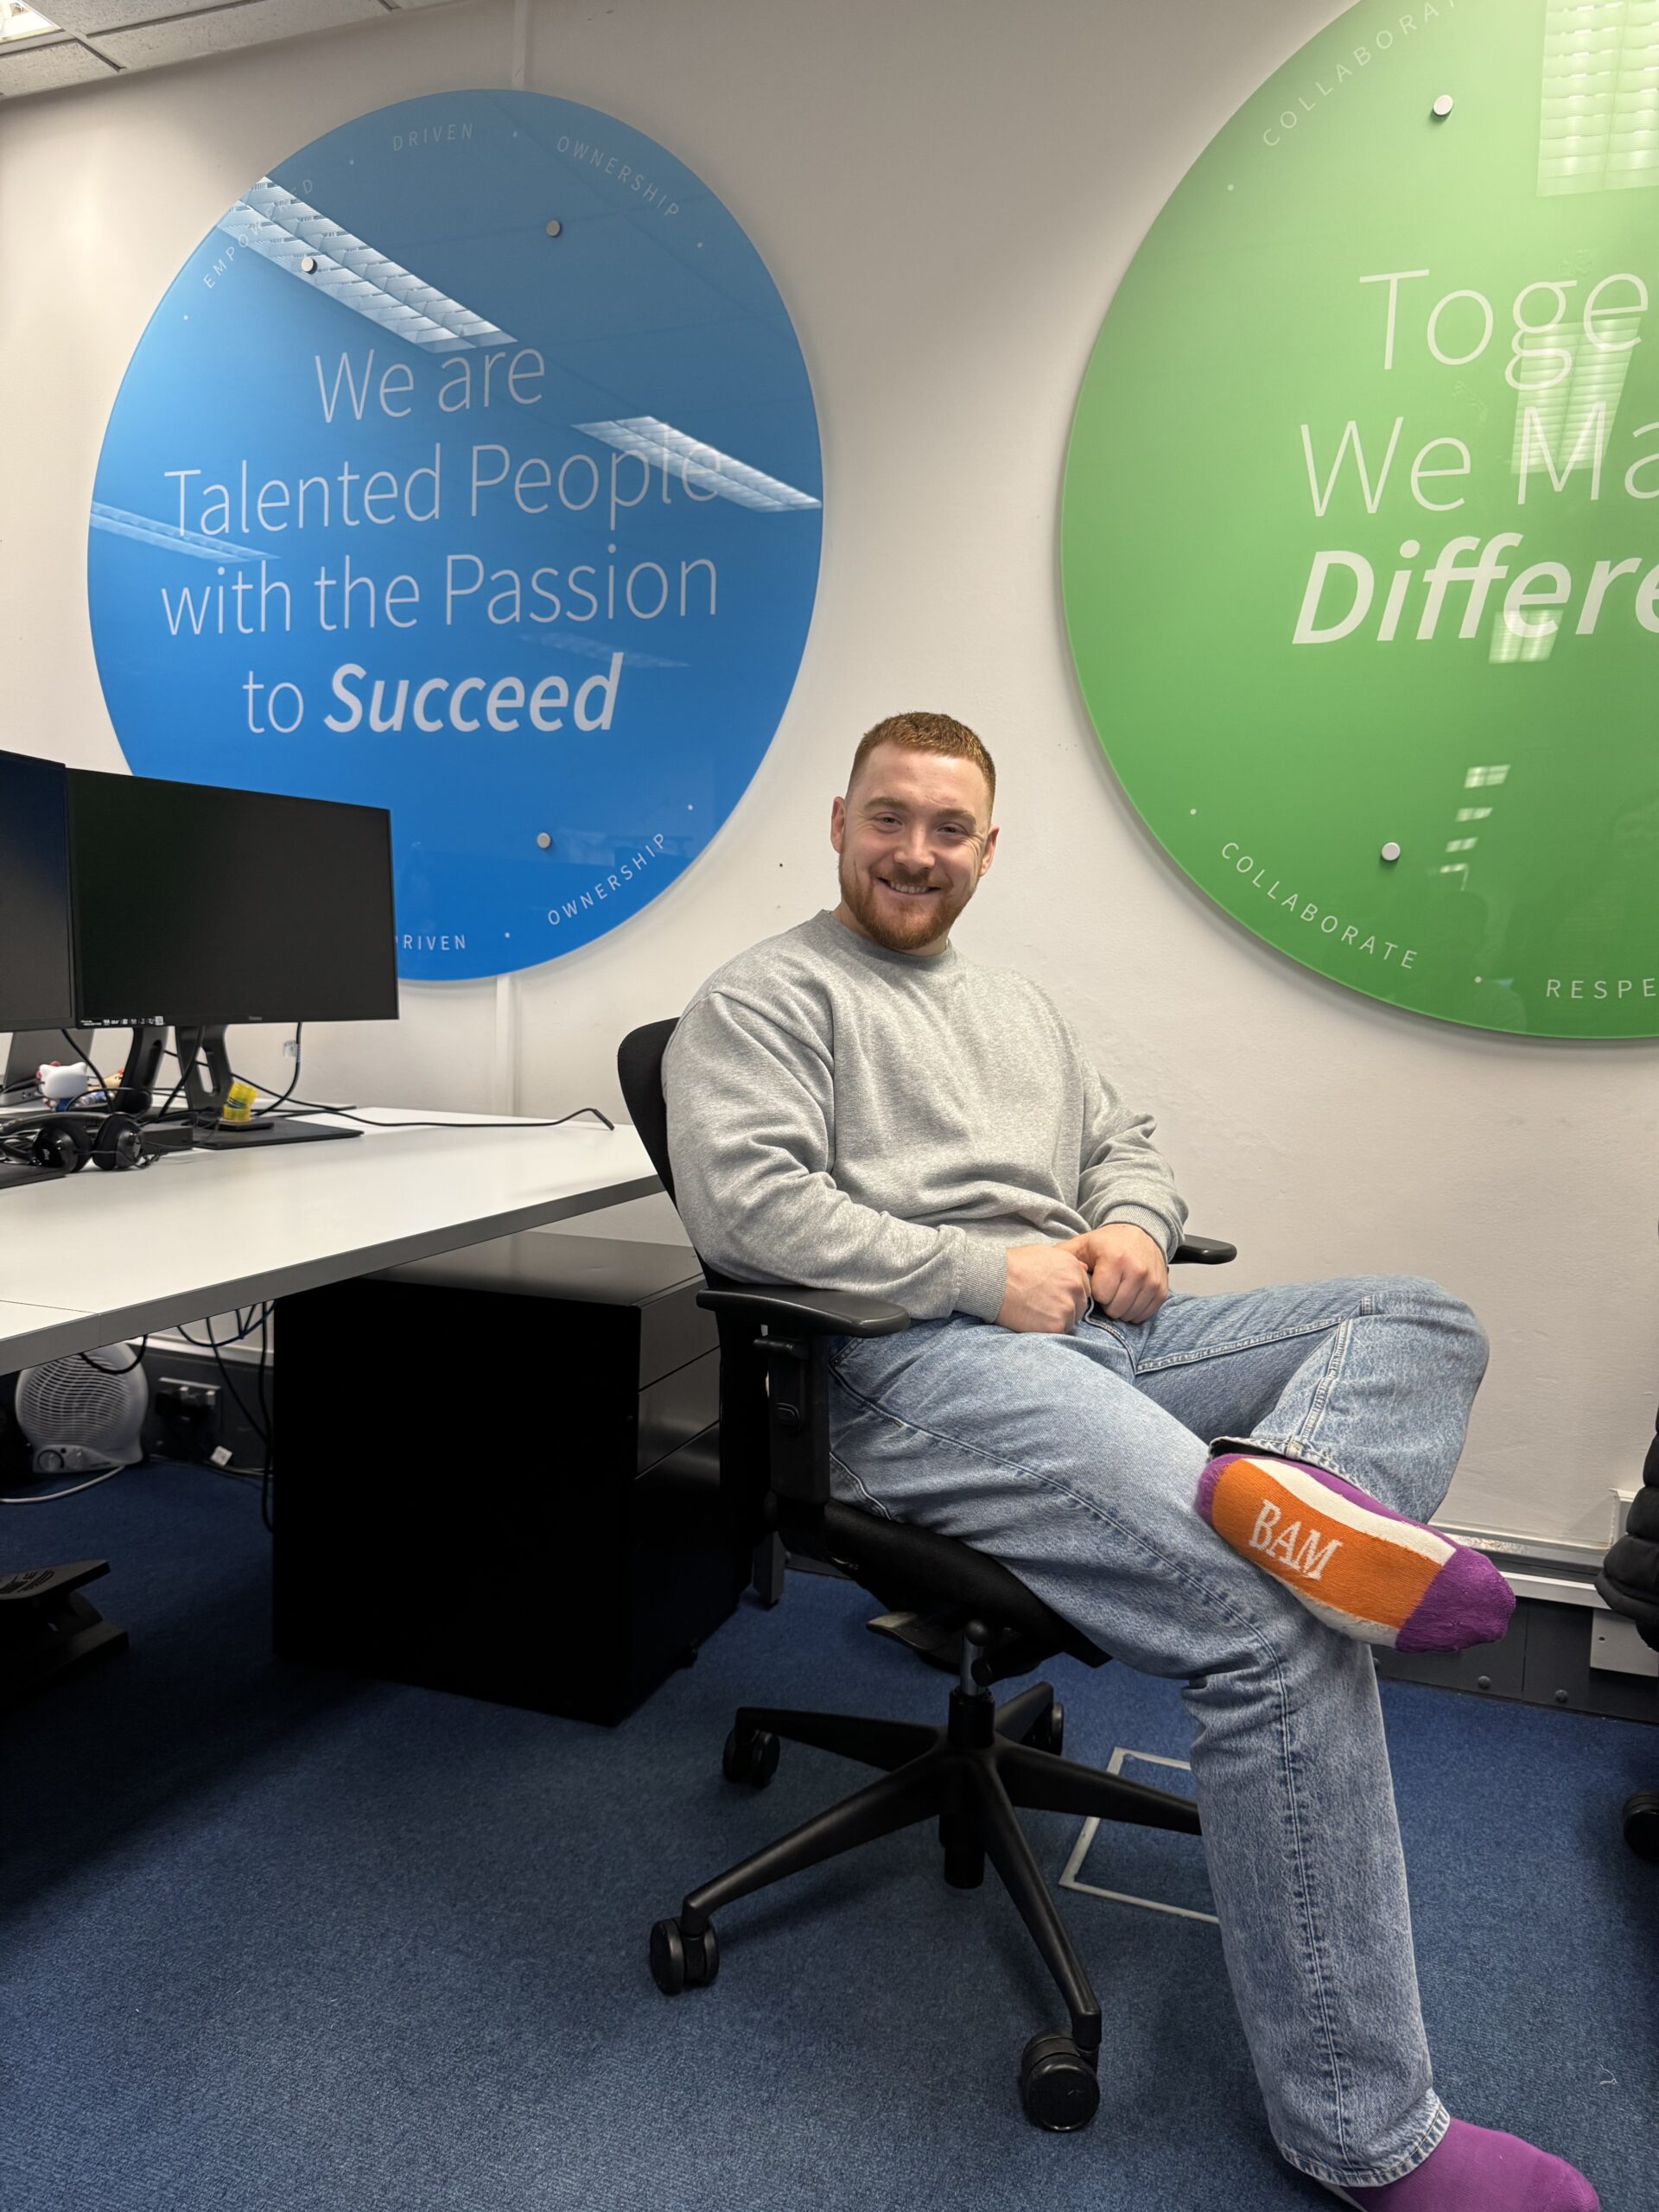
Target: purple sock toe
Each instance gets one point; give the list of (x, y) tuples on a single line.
[(1207, 1482), (1477, 2169), (1468, 1602)]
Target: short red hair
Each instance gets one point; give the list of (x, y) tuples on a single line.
[(927, 734)]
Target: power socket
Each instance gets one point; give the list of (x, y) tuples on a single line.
[(172, 1392)]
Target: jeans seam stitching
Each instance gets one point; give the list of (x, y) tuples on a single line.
[(1408, 2160), (1289, 1445), (1313, 1936), (1233, 1344), (1324, 1388), (853, 1477)]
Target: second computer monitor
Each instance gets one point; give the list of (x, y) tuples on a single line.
[(128, 899), (200, 904)]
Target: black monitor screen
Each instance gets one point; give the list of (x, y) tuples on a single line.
[(38, 988), (192, 903)]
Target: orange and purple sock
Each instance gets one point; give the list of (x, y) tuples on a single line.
[(1361, 1567)]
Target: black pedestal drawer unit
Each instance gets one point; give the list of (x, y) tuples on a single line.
[(499, 1473)]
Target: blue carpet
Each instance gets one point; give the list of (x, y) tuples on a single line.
[(276, 1941)]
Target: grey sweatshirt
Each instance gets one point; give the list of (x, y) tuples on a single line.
[(849, 1118)]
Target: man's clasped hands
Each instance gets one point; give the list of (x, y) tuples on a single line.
[(1049, 1286)]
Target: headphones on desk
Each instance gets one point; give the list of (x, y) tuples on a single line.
[(63, 1143)]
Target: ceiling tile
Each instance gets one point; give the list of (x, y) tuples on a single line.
[(217, 30), (42, 68), (91, 16)]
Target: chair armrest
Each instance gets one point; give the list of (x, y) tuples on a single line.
[(847, 1313), (814, 1312), (1202, 1252)]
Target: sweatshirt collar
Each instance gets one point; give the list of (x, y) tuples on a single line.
[(836, 936)]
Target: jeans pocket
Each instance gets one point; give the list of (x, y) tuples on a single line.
[(845, 1348)]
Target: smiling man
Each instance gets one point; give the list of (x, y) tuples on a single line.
[(1232, 1489)]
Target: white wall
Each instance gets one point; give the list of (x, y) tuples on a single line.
[(946, 193)]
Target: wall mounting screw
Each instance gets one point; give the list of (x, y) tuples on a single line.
[(1442, 106), (1391, 851), (554, 227), (308, 264), (544, 841)]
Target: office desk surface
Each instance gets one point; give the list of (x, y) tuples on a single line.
[(30, 1334), (88, 1259)]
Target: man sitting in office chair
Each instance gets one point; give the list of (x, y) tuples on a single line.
[(1227, 1489)]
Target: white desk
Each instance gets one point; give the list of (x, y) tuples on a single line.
[(89, 1259), (29, 1333)]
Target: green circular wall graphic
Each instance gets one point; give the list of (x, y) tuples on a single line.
[(1361, 525)]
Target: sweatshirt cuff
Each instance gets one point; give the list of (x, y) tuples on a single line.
[(1143, 1217), (983, 1282)]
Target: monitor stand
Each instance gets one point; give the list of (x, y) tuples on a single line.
[(136, 1092), (260, 1136), (206, 1044)]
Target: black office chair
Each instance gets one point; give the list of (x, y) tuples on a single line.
[(957, 1608), (1629, 1580)]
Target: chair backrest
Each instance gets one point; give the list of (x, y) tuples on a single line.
[(744, 1449), (639, 1071)]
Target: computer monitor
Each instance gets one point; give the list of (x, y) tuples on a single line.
[(135, 902)]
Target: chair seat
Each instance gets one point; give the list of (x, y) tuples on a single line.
[(918, 1571)]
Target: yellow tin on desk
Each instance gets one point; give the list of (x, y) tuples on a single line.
[(238, 1104)]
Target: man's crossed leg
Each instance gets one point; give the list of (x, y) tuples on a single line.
[(1075, 1460)]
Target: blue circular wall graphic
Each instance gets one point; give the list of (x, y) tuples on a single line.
[(469, 467)]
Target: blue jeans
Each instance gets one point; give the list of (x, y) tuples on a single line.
[(1074, 1459)]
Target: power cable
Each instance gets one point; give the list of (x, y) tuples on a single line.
[(313, 1106), (284, 1099), (261, 1426), (137, 1359), (47, 1496), (266, 1500)]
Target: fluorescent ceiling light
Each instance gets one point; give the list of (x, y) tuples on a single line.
[(120, 524), (282, 227), (1600, 97), (19, 20), (702, 465)]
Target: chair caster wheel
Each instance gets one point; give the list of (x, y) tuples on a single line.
[(680, 1961), (1058, 2085), (1642, 1823), (1047, 1731), (751, 1756)]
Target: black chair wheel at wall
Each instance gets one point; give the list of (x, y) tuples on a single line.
[(1642, 1824), (1629, 1580), (953, 1607)]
